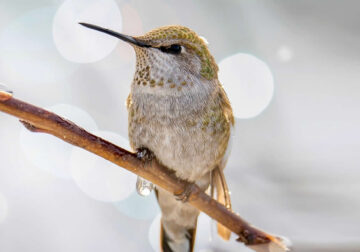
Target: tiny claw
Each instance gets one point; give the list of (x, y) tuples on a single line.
[(184, 196), (144, 154)]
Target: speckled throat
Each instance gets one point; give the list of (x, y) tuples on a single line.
[(158, 73)]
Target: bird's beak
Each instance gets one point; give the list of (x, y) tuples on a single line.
[(123, 37)]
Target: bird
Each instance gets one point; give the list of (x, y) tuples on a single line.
[(179, 113)]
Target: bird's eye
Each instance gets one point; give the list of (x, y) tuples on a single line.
[(173, 49)]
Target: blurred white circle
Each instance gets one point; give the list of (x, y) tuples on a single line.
[(28, 54), (248, 82), (138, 207), (79, 44), (50, 153), (3, 208), (154, 233), (99, 178), (285, 53)]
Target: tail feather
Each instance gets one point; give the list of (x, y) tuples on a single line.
[(191, 235), (176, 234), (169, 244), (165, 241), (223, 196)]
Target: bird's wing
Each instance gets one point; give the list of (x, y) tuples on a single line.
[(218, 179), (223, 196)]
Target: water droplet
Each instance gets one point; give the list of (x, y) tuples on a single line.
[(143, 187), (5, 93)]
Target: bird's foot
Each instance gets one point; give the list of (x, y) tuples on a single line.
[(184, 196), (144, 154)]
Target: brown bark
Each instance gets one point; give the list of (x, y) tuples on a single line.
[(39, 120)]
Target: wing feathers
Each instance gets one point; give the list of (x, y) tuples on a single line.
[(223, 196)]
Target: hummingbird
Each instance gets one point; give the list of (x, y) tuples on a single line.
[(179, 113)]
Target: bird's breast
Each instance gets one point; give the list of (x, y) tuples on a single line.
[(186, 138)]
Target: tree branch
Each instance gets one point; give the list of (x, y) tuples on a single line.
[(39, 120)]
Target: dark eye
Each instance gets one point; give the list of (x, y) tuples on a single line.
[(174, 49)]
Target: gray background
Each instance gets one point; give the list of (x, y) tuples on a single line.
[(293, 170)]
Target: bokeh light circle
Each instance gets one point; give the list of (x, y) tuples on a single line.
[(285, 53), (50, 153), (28, 54), (3, 208), (99, 178), (248, 82), (138, 207), (79, 44)]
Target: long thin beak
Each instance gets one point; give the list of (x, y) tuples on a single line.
[(123, 37)]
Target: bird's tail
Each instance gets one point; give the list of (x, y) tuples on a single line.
[(169, 243), (178, 223)]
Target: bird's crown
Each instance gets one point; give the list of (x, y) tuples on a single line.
[(184, 36)]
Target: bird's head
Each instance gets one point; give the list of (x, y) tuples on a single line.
[(171, 55)]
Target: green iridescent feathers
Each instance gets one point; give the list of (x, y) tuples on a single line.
[(187, 38)]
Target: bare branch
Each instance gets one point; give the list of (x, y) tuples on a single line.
[(39, 120)]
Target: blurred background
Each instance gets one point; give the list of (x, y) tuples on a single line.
[(291, 70)]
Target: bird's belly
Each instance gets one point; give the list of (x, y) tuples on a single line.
[(188, 150)]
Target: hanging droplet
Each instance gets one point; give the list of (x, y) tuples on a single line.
[(5, 93), (143, 187)]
